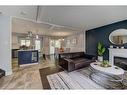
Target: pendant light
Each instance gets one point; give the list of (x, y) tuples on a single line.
[(37, 35), (30, 34)]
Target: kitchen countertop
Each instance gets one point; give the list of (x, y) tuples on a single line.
[(28, 50)]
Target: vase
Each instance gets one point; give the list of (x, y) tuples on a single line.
[(100, 58)]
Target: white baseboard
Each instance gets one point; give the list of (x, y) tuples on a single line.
[(28, 64), (8, 73)]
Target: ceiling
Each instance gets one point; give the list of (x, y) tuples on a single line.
[(71, 19), (83, 17), (23, 26)]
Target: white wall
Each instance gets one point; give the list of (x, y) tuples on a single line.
[(5, 44), (46, 45), (15, 43), (80, 46), (52, 48)]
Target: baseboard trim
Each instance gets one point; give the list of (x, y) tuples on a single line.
[(8, 73), (27, 64)]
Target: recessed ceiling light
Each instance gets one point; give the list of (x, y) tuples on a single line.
[(23, 13)]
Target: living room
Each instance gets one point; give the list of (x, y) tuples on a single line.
[(90, 49)]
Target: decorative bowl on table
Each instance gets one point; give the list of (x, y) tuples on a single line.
[(105, 64)]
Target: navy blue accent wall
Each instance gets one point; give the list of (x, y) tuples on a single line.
[(101, 34)]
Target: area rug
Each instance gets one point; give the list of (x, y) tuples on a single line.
[(80, 79)]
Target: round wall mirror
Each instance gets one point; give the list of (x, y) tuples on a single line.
[(118, 37)]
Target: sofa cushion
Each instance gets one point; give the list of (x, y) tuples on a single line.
[(81, 62), (79, 54)]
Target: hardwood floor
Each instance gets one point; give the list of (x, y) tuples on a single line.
[(29, 77)]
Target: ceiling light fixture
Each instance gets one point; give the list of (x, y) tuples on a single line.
[(63, 39), (29, 35), (23, 13), (37, 36)]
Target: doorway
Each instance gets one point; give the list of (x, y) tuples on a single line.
[(54, 45)]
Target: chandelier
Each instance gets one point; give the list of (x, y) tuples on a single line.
[(30, 35)]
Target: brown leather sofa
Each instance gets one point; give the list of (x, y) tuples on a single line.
[(75, 60)]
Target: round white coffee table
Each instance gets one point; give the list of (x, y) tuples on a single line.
[(107, 72), (114, 70)]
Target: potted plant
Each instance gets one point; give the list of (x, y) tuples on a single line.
[(105, 63), (101, 51)]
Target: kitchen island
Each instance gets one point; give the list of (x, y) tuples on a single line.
[(27, 57)]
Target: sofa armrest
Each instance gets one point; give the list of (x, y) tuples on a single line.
[(68, 64), (94, 58)]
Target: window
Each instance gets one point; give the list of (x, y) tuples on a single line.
[(38, 45), (57, 43), (25, 42)]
